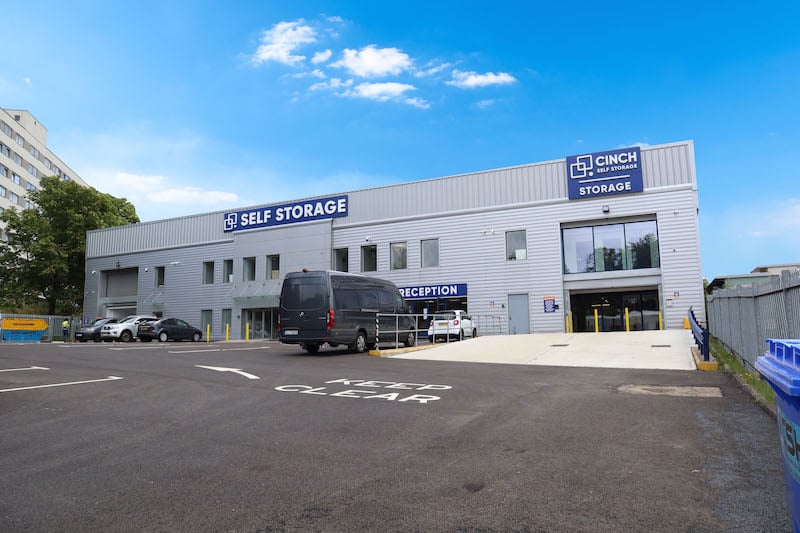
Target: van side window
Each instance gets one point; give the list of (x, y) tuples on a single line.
[(385, 300), (346, 299), (400, 304), (368, 298)]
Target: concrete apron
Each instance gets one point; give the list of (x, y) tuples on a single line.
[(663, 350)]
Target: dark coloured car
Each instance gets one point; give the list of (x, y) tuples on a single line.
[(168, 329), (92, 331)]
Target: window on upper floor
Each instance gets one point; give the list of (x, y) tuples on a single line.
[(3, 171), (429, 253), (227, 271), (341, 259), (17, 158), (13, 197), (19, 139), (34, 152), (516, 245), (2, 192), (249, 269), (369, 258), (47, 163), (208, 272), (273, 267), (398, 255), (15, 178), (6, 128), (160, 275), (5, 150), (608, 247), (32, 170)]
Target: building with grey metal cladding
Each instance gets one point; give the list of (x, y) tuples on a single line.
[(519, 249)]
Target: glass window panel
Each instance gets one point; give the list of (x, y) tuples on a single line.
[(369, 258), (227, 271), (642, 244), (578, 250), (398, 255), (249, 269), (609, 245), (273, 267), (208, 272), (516, 245), (429, 251), (341, 260)]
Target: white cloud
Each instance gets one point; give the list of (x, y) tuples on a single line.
[(281, 41), (335, 19), (321, 57), (384, 92), (333, 83), (316, 73), (371, 61), (483, 104), (192, 195), (27, 80), (471, 80), (431, 68)]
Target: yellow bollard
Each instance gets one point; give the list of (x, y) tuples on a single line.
[(247, 332), (227, 332), (627, 321), (566, 323), (686, 323), (596, 323), (660, 321), (208, 333)]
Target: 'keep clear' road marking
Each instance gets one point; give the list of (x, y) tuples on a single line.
[(109, 378), (370, 394)]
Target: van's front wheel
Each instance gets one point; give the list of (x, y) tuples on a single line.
[(360, 344)]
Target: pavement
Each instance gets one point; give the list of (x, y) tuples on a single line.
[(660, 350)]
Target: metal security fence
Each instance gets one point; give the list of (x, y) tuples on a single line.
[(743, 318), (54, 331)]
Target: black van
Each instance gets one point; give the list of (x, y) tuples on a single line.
[(341, 308)]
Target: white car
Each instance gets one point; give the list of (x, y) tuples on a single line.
[(125, 330), (448, 325)]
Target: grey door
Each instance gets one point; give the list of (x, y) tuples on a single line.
[(519, 319)]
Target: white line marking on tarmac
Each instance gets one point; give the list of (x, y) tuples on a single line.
[(19, 369), (234, 370), (109, 378)]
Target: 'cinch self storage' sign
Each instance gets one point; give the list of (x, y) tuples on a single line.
[(604, 173)]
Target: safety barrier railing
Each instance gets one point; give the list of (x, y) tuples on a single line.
[(700, 335)]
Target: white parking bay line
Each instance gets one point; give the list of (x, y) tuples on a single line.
[(19, 369), (221, 350), (109, 378)]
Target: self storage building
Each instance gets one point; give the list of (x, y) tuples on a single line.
[(601, 241)]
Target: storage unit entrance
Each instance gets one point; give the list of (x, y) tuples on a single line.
[(609, 308)]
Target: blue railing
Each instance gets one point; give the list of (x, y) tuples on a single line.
[(700, 335)]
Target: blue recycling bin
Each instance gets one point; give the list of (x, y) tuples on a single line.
[(780, 365)]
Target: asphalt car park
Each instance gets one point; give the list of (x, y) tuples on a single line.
[(265, 437)]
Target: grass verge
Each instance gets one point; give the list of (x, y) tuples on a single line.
[(758, 384)]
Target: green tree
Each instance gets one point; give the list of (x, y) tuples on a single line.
[(44, 254)]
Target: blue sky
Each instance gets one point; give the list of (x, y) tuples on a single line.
[(189, 107)]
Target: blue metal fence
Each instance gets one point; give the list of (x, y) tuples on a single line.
[(700, 335)]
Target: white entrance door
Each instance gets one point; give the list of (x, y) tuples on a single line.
[(519, 318)]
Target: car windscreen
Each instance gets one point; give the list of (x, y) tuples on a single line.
[(444, 316), (304, 293)]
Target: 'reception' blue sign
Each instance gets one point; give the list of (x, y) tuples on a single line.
[(279, 215), (421, 292), (604, 173)]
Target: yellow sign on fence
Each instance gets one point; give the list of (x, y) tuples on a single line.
[(24, 324)]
